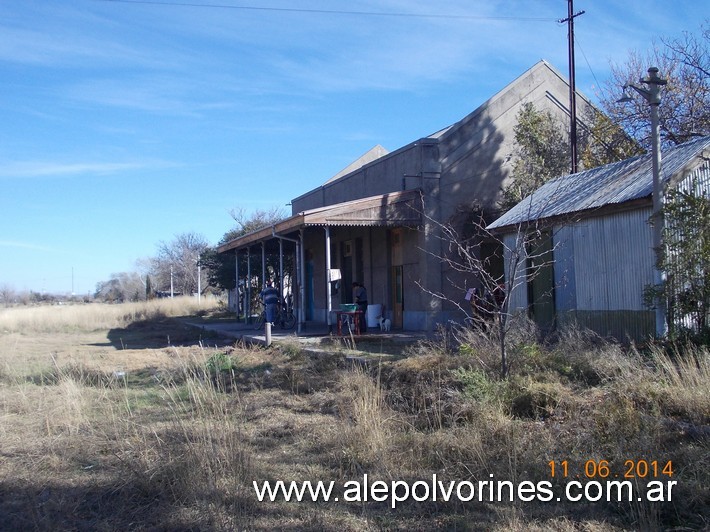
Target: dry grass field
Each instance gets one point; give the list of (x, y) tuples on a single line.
[(122, 417)]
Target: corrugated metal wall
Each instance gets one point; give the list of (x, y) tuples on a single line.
[(518, 299), (602, 266), (613, 261), (565, 279), (608, 262)]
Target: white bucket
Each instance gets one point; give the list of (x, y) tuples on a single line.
[(374, 311)]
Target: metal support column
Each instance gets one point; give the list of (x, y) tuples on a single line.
[(329, 303), (263, 264), (300, 251), (247, 292), (299, 258), (281, 266), (236, 279)]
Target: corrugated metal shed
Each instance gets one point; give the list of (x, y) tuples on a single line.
[(614, 183), (612, 262)]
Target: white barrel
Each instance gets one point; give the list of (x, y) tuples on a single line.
[(374, 311)]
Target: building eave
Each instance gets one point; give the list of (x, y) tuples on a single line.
[(395, 209)]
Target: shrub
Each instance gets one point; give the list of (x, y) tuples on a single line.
[(476, 384), (527, 398), (220, 362)]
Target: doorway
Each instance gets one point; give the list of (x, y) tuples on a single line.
[(397, 297), (541, 282), (397, 277)]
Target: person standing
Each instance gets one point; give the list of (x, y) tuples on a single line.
[(360, 297), (270, 298)]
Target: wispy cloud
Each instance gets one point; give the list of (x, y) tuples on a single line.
[(404, 53), (173, 72), (31, 169), (24, 245), (60, 35)]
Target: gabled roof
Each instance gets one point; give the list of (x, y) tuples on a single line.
[(520, 85), (372, 154), (612, 184), (471, 133)]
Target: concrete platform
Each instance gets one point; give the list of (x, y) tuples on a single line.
[(314, 334)]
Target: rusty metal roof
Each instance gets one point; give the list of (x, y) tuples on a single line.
[(616, 183), (391, 209), (395, 209)]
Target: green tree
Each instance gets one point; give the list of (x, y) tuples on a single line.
[(542, 153), (542, 149), (685, 259), (252, 221), (148, 288), (220, 267), (605, 142)]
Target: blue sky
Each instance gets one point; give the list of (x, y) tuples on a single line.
[(125, 124)]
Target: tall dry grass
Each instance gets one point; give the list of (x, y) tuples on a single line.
[(198, 456), (178, 446), (88, 447), (685, 380), (368, 424), (445, 410), (97, 316), (171, 447)]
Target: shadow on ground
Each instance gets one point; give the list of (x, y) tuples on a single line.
[(162, 332), (104, 505)]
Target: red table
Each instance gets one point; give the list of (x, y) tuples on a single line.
[(354, 318)]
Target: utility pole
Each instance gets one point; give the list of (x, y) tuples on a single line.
[(572, 88), (652, 94)]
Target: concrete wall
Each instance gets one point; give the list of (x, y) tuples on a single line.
[(387, 174), (462, 166), (472, 158), (419, 310), (477, 154)]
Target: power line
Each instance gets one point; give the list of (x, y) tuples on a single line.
[(329, 11), (589, 66)]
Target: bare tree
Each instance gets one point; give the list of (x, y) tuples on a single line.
[(7, 295), (684, 112), (124, 286), (178, 260), (248, 222), (489, 296)]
